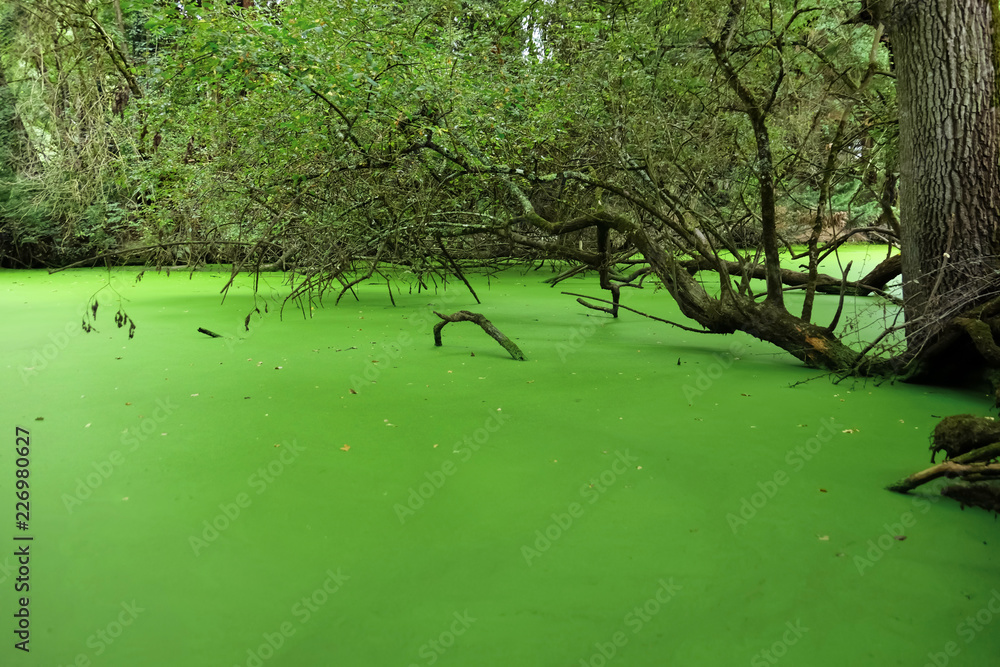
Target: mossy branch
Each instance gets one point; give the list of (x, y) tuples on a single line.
[(970, 464), (466, 316)]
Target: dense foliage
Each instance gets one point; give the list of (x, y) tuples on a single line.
[(327, 134), (338, 139)]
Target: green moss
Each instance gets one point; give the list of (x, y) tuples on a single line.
[(957, 434)]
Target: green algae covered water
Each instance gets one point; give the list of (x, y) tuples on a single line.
[(335, 490)]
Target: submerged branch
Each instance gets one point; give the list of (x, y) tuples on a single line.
[(970, 464), (637, 312), (466, 316)]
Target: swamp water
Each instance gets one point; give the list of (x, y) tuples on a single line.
[(338, 491)]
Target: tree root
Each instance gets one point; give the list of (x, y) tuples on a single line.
[(466, 316), (960, 434), (982, 337)]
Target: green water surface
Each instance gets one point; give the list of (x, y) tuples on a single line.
[(335, 490)]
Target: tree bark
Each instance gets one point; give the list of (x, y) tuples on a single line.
[(496, 334), (949, 187), (878, 277), (729, 312), (757, 111)]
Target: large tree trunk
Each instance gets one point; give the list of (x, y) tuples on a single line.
[(948, 190)]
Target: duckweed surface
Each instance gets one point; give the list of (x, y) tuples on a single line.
[(335, 490)]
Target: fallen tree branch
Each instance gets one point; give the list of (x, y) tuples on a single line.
[(970, 464), (466, 316), (825, 284), (878, 277)]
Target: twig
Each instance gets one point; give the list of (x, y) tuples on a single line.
[(639, 312)]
